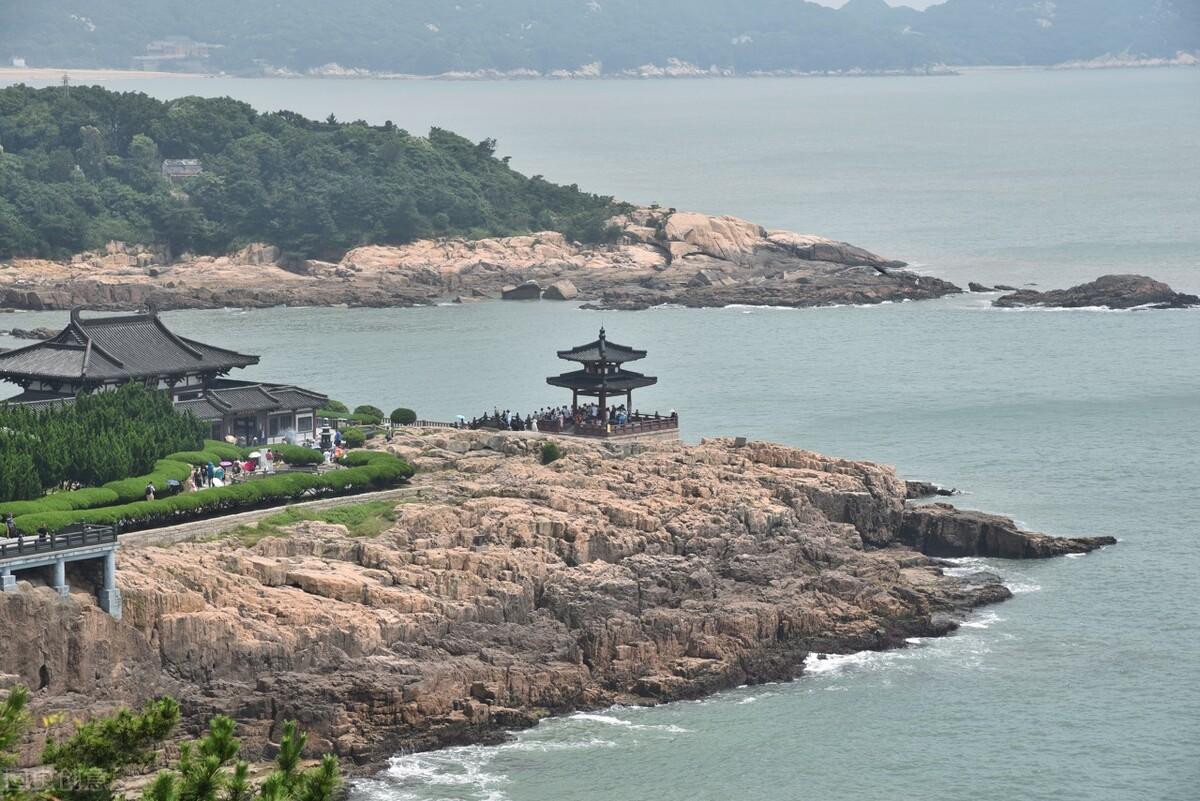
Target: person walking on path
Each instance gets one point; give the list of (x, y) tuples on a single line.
[(150, 491), (10, 525)]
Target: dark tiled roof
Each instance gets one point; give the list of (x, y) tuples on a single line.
[(39, 400), (602, 350), (115, 348), (245, 396), (203, 408), (620, 381)]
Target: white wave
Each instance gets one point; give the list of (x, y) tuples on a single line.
[(1020, 587), (557, 745), (610, 720), (822, 664), (1076, 555), (983, 620), (748, 700), (463, 767)]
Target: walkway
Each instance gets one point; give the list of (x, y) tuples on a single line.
[(89, 544)]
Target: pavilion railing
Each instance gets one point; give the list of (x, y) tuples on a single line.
[(637, 424), (63, 541)]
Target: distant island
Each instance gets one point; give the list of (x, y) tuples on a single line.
[(592, 38)]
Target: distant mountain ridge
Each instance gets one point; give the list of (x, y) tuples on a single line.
[(587, 37)]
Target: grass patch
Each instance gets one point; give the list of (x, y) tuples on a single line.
[(369, 519)]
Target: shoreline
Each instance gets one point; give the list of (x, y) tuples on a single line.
[(511, 591), (659, 256), (10, 74)]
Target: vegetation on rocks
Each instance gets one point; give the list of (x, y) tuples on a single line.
[(368, 519), (82, 167), (99, 438), (103, 750), (551, 452)]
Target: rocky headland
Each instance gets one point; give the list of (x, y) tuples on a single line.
[(511, 590), (1107, 291), (659, 257)]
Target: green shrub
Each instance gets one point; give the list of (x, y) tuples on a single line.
[(403, 417), (225, 450), (369, 411), (354, 438), (335, 406), (550, 452), (297, 455)]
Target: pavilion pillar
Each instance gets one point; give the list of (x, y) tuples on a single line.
[(603, 407), (60, 578), (110, 596), (629, 401), (8, 582), (574, 401)]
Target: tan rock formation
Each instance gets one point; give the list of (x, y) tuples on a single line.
[(641, 573), (657, 260)]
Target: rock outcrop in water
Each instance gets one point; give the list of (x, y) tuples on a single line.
[(1109, 291), (660, 257), (511, 590)]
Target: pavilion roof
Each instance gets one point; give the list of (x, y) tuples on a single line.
[(591, 383), (601, 350), (115, 348)]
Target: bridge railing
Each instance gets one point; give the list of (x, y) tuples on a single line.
[(63, 541)]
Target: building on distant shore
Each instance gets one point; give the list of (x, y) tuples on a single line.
[(101, 353), (18, 61), (175, 54), (178, 169)]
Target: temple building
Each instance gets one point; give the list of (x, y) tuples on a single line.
[(98, 353), (602, 377)]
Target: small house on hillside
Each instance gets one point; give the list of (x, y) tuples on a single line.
[(178, 169)]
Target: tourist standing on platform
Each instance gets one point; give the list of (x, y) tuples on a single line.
[(150, 491), (10, 525)]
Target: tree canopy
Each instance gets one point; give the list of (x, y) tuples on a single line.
[(103, 750), (101, 437), (82, 165)]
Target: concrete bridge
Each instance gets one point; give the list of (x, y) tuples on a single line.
[(89, 544)]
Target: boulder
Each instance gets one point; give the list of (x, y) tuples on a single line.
[(974, 287), (1107, 291), (561, 290), (530, 290), (32, 333)]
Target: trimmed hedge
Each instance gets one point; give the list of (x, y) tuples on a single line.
[(297, 455), (403, 417), (114, 492), (354, 437), (376, 472)]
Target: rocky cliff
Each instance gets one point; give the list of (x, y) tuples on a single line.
[(660, 257), (512, 590)]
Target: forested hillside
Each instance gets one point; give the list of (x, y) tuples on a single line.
[(435, 36), (81, 166)]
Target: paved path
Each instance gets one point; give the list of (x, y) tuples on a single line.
[(184, 532)]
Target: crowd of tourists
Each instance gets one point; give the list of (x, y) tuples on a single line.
[(553, 418)]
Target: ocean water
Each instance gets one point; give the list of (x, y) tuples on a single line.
[(1086, 685)]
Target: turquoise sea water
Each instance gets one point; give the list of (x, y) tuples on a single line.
[(1086, 685)]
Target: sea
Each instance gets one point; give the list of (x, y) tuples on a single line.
[(1086, 685)]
